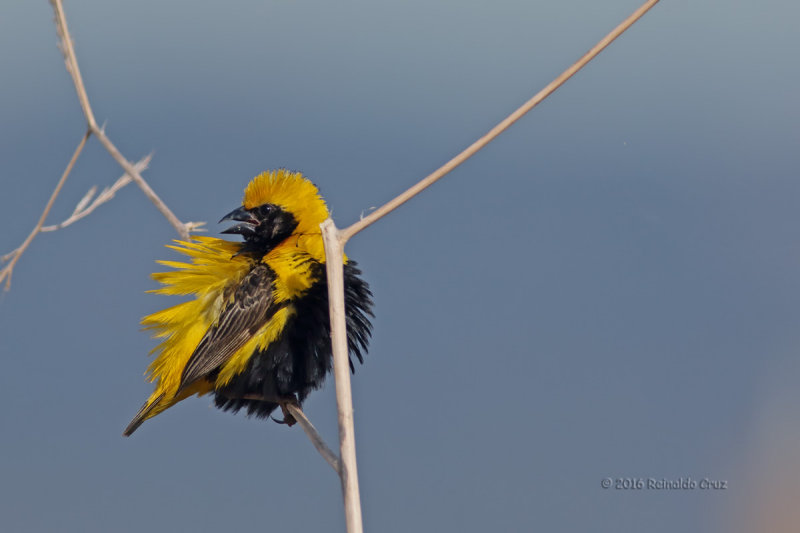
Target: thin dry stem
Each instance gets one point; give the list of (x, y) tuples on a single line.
[(335, 240), (393, 204), (71, 60), (72, 67), (14, 256), (300, 417), (348, 471), (89, 202), (179, 226), (314, 437)]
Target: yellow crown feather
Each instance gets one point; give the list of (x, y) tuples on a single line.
[(292, 192)]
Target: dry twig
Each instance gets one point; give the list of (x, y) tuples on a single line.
[(315, 438), (14, 256), (348, 471), (89, 202), (133, 171), (71, 61), (503, 125), (335, 240)]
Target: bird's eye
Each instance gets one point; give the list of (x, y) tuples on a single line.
[(265, 209)]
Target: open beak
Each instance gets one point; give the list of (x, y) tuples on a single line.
[(247, 219)]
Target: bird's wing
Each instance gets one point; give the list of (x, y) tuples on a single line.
[(252, 306)]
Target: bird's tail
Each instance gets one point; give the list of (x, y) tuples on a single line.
[(144, 413)]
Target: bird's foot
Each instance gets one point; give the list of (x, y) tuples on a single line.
[(288, 419)]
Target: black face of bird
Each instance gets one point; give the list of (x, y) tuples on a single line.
[(262, 227)]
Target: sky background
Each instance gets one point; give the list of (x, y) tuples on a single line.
[(609, 290)]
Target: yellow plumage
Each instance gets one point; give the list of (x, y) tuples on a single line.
[(216, 276), (213, 271), (291, 191)]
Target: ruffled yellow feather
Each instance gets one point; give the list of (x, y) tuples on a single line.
[(213, 272), (212, 275), (291, 191)]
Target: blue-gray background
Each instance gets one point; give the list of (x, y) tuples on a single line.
[(611, 289)]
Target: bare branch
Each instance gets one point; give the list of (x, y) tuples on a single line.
[(390, 206), (195, 226), (335, 240), (291, 409), (84, 207), (179, 226), (9, 255), (72, 67), (348, 471), (72, 62), (86, 199), (14, 256), (314, 436), (87, 205)]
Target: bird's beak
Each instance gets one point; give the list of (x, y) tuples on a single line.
[(247, 219)]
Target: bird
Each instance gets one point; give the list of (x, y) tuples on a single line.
[(256, 335)]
